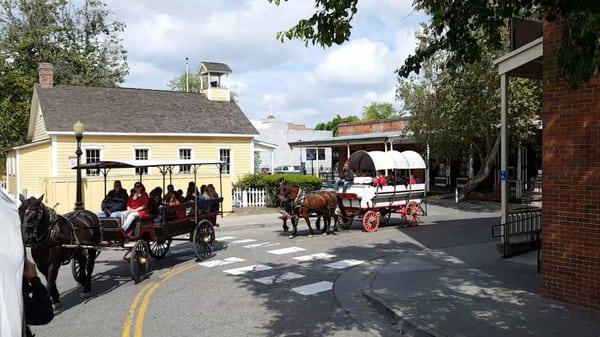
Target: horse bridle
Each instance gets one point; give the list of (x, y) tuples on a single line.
[(34, 227)]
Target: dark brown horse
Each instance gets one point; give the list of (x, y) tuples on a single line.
[(46, 232), (300, 204)]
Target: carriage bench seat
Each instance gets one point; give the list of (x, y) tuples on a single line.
[(107, 223)]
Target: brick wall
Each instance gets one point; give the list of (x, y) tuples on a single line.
[(357, 128), (571, 184)]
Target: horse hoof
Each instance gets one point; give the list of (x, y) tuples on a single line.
[(291, 237), (85, 296), (310, 235), (57, 306)]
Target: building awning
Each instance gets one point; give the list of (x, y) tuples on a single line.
[(263, 146), (525, 61), (368, 138)]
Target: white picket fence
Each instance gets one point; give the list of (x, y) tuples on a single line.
[(253, 197)]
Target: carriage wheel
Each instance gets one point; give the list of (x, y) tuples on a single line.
[(346, 223), (371, 221), (413, 212), (204, 236), (76, 267), (158, 249), (385, 217), (139, 263)]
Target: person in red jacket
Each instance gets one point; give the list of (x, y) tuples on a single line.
[(381, 180), (137, 205), (412, 180)]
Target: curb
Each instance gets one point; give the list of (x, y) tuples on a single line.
[(408, 325)]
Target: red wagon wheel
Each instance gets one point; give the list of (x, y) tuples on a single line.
[(371, 221), (413, 213)]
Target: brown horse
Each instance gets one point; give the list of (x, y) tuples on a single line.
[(300, 204), (46, 232)]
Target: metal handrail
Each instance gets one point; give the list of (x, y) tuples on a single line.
[(534, 233)]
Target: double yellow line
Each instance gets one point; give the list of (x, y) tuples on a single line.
[(145, 295)]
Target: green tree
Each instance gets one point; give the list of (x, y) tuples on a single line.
[(456, 110), (332, 125), (79, 39), (179, 83), (463, 29), (378, 111)]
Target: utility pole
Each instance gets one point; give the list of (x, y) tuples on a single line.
[(187, 75)]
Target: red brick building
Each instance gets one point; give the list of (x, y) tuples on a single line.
[(571, 183)]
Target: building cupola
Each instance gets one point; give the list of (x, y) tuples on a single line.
[(214, 78)]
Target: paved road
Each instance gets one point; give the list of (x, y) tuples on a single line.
[(260, 283)]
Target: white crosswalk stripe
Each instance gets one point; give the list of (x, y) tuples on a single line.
[(247, 269), (317, 256), (214, 263), (344, 264), (243, 241), (288, 250), (225, 238), (278, 278), (313, 288), (262, 244)]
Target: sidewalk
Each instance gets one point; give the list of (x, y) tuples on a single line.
[(441, 295)]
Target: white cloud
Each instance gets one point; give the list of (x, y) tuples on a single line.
[(295, 83), (358, 62)]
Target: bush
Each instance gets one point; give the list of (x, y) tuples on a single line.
[(270, 182)]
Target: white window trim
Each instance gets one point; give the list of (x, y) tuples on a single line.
[(86, 147), (230, 148), (192, 155), (142, 147)]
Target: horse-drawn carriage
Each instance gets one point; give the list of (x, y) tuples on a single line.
[(152, 236), (78, 236), (375, 203)]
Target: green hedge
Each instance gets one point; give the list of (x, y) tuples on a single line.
[(269, 182)]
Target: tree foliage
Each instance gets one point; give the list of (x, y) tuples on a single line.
[(179, 83), (465, 28), (456, 110), (379, 111), (79, 39), (332, 125)]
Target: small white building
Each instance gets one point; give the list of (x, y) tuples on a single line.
[(280, 134)]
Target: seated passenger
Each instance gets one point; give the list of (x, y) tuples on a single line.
[(137, 206), (203, 198), (115, 201), (154, 203), (345, 180), (170, 192), (212, 194), (192, 191), (179, 196), (380, 180), (412, 180)]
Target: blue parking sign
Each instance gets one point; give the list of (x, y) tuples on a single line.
[(503, 175)]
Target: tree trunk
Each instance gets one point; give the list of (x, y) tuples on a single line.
[(484, 170)]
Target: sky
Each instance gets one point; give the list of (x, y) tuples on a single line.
[(295, 83)]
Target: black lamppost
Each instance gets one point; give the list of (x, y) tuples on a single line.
[(79, 128)]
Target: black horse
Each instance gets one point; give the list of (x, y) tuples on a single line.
[(46, 232)]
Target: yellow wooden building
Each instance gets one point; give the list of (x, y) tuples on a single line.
[(132, 125)]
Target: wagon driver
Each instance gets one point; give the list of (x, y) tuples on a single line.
[(345, 180)]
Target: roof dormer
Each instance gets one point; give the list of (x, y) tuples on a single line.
[(214, 78)]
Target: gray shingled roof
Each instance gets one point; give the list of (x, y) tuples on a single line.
[(214, 67), (139, 111)]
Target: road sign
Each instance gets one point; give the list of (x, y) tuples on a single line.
[(503, 175)]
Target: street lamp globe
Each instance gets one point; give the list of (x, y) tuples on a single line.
[(79, 128)]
